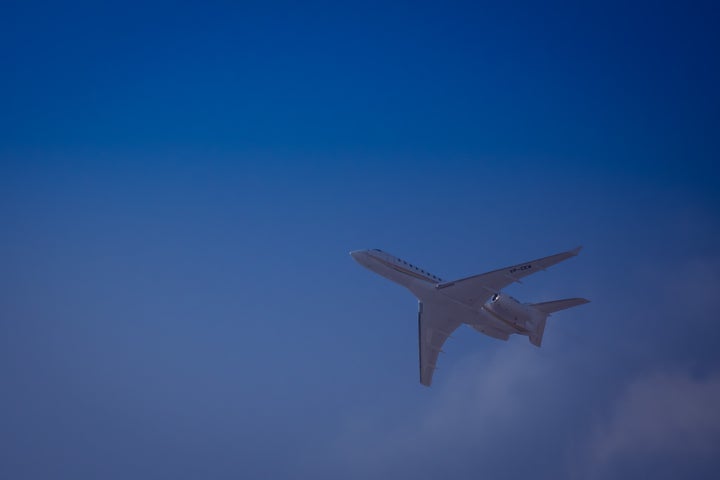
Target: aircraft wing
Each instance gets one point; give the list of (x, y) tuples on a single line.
[(476, 290), (434, 327)]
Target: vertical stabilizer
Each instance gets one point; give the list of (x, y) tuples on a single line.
[(545, 309), (536, 338)]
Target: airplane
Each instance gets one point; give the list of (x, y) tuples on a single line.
[(476, 301)]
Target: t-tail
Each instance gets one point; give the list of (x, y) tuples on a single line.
[(548, 308)]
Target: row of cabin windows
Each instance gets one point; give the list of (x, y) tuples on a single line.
[(420, 270), (413, 266)]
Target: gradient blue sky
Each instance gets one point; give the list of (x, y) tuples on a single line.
[(180, 185)]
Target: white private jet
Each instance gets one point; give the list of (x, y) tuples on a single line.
[(476, 301)]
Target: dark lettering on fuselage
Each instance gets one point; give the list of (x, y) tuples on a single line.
[(521, 268)]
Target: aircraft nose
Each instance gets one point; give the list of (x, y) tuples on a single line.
[(359, 256)]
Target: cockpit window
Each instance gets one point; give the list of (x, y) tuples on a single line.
[(376, 250)]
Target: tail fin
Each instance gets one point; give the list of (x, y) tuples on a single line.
[(550, 307), (536, 337)]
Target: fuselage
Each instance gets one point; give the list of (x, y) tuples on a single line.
[(499, 317)]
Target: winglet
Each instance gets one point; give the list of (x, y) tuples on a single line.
[(575, 251)]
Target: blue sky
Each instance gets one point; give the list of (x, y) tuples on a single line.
[(180, 185)]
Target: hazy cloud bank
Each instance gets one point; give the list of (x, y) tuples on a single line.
[(671, 415)]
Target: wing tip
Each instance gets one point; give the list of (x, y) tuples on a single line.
[(575, 250)]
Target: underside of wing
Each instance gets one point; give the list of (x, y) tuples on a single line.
[(434, 327), (476, 290)]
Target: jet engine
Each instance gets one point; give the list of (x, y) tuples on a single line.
[(509, 310)]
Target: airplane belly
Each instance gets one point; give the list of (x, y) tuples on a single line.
[(422, 289), (490, 319), (492, 332)]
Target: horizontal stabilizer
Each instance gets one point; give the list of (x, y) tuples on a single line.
[(557, 305)]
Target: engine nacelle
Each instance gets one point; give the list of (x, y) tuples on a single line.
[(510, 310)]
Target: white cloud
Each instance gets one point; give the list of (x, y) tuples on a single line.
[(519, 413), (483, 414), (668, 414)]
